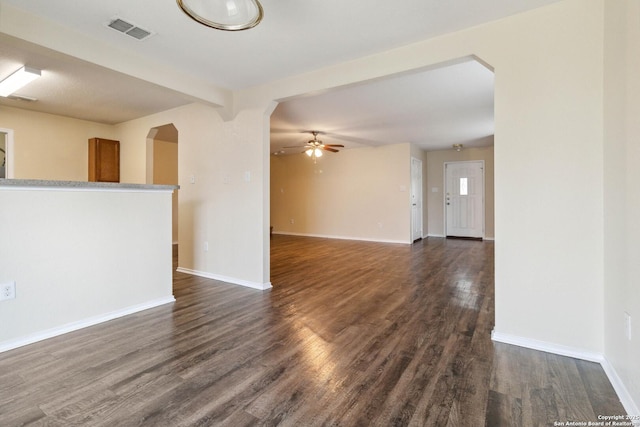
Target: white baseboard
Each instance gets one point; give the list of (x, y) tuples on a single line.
[(623, 394), (621, 390), (74, 326), (330, 236), (232, 280), (362, 239), (547, 347)]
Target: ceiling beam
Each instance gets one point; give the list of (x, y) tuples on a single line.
[(18, 23)]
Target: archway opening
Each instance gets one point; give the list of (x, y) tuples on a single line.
[(162, 168)]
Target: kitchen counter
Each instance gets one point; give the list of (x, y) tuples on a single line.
[(82, 185), (81, 253)]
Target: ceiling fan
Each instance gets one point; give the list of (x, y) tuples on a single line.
[(314, 147)]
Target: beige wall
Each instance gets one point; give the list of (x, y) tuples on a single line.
[(622, 199), (355, 194), (546, 111), (165, 171), (435, 180), (548, 66), (225, 207), (47, 146)]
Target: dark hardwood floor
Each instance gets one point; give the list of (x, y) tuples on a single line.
[(352, 334)]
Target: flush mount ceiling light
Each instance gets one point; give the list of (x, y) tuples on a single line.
[(17, 80), (228, 15)]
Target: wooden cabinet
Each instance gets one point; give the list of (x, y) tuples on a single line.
[(104, 160)]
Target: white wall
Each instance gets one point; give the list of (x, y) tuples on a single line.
[(361, 194), (80, 257), (622, 198), (548, 180)]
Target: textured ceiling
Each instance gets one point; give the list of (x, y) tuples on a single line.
[(295, 37), (432, 109), (75, 88)]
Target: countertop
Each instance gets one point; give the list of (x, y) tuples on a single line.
[(82, 185)]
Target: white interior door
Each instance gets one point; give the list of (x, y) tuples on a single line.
[(416, 199), (464, 199)]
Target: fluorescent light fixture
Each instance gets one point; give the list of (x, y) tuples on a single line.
[(17, 80)]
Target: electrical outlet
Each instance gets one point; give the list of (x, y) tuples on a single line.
[(627, 325), (7, 291)]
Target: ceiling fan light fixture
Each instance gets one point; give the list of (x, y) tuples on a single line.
[(315, 148), (457, 147), (227, 15), (314, 152)]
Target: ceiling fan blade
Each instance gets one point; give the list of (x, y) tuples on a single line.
[(333, 150), (334, 145), (297, 146)]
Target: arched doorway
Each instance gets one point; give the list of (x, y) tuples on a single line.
[(162, 167)]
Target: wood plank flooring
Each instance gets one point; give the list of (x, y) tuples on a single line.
[(352, 334)]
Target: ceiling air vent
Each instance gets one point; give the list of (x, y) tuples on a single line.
[(129, 29)]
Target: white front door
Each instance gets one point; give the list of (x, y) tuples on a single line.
[(416, 199), (464, 199)]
